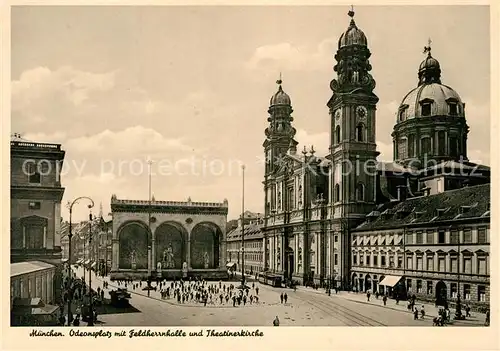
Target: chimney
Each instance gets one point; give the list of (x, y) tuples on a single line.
[(402, 192)]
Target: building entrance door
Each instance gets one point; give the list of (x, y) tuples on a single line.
[(441, 294)]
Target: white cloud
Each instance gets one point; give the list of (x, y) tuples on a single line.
[(40, 83), (136, 140), (291, 57)]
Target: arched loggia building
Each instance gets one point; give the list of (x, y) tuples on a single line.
[(182, 239)]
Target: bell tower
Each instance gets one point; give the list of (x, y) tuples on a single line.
[(279, 139), (353, 153)]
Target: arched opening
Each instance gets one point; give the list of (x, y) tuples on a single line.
[(170, 245), (360, 132), (133, 244), (205, 242), (290, 261), (337, 193), (360, 192), (337, 134), (368, 283), (361, 284), (441, 294), (354, 281)]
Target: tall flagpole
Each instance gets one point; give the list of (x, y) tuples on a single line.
[(243, 229), (150, 253)]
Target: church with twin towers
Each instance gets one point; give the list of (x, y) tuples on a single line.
[(417, 225)]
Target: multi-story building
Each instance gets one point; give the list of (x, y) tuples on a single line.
[(438, 243), (349, 220), (35, 208), (253, 239)]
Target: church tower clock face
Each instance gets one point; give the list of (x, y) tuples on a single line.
[(361, 112)]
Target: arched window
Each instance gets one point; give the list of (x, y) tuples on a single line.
[(337, 134), (441, 143), (425, 146), (360, 131), (337, 193), (411, 145), (360, 192), (402, 150)]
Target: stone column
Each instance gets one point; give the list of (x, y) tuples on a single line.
[(153, 254), (222, 253), (44, 237), (24, 237), (188, 252), (115, 255)]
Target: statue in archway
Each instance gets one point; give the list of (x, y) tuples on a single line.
[(168, 257), (133, 259), (206, 259), (158, 266)]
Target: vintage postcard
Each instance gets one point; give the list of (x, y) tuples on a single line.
[(209, 173)]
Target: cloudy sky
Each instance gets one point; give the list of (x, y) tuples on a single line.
[(189, 87)]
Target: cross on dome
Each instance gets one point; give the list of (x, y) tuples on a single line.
[(427, 49), (351, 12)]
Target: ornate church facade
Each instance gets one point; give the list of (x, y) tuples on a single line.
[(317, 207)]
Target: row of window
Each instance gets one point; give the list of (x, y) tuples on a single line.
[(432, 264), (429, 237), (407, 147), (426, 110), (466, 290), (250, 256)]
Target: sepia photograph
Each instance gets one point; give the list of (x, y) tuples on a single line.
[(246, 166)]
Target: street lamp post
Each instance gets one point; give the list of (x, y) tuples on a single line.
[(243, 230), (91, 321), (70, 235)]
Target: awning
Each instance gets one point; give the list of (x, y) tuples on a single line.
[(87, 262), (93, 264), (230, 264), (64, 260), (390, 280), (79, 261)]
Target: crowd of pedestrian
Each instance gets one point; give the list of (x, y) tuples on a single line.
[(204, 293)]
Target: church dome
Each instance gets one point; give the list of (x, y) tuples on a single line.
[(431, 97), (280, 98), (353, 35), (429, 100)]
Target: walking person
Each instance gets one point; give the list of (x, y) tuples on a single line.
[(281, 297), (486, 320), (285, 297), (384, 299), (415, 314), (276, 322), (368, 295), (422, 312)]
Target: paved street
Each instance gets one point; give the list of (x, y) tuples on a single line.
[(305, 307)]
